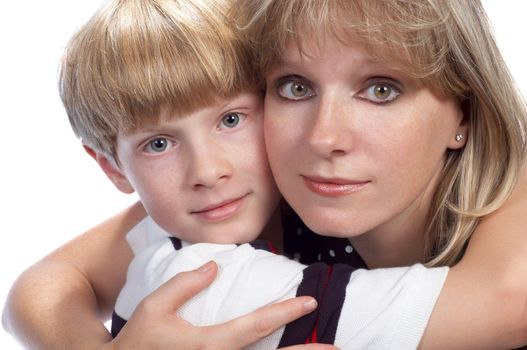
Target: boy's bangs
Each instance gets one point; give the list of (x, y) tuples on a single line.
[(163, 71), (136, 57)]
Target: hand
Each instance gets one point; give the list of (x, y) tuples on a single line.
[(155, 325), (311, 347)]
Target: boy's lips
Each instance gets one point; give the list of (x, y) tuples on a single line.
[(333, 187), (221, 211)]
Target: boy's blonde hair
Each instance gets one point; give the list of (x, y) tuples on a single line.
[(449, 46), (135, 57)]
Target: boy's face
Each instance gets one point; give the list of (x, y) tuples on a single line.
[(204, 177)]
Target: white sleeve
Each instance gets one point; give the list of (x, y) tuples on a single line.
[(388, 308), (145, 234), (151, 246), (382, 309)]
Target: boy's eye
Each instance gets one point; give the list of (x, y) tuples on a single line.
[(158, 145), (294, 89), (231, 120), (381, 92)]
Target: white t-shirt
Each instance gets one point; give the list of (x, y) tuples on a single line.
[(379, 309)]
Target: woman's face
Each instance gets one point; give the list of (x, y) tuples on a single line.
[(354, 145)]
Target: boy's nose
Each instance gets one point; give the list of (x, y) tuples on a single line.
[(208, 168)]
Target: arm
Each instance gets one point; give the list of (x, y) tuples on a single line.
[(46, 312), (177, 332), (43, 311), (483, 304)]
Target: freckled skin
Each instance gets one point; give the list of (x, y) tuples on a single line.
[(337, 114), (187, 171)]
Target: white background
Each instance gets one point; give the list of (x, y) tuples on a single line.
[(50, 190)]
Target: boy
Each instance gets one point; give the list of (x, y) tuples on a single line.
[(163, 97)]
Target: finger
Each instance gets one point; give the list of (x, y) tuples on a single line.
[(311, 347), (180, 288), (252, 327)]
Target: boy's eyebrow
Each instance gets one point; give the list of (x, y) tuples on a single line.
[(141, 132), (147, 128), (229, 104), (235, 103)]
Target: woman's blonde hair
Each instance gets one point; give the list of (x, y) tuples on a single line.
[(450, 47), (135, 57)]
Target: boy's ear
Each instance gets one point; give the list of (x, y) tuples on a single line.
[(111, 170)]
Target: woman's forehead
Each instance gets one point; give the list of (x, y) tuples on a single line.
[(416, 46), (312, 49)]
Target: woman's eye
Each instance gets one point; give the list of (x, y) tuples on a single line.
[(158, 145), (231, 120), (380, 93), (295, 89)]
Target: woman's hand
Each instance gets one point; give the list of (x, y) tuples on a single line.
[(155, 325)]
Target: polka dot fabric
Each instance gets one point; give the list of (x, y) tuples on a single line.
[(307, 247)]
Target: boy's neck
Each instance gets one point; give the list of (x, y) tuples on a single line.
[(273, 231)]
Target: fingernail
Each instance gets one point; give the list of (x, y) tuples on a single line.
[(206, 267), (310, 305)]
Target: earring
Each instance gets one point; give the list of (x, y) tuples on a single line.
[(459, 137)]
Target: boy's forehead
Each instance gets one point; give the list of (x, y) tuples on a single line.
[(247, 100), (167, 112), (244, 99)]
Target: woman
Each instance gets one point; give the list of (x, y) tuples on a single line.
[(399, 123), (398, 119)]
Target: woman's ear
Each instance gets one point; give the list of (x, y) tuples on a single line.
[(111, 170), (459, 138)]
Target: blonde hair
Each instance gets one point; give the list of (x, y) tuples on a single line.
[(450, 47), (135, 57)]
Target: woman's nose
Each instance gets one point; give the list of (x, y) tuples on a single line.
[(330, 134)]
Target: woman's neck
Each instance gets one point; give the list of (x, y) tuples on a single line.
[(390, 248), (399, 242)]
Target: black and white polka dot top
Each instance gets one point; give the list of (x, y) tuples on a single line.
[(305, 246)]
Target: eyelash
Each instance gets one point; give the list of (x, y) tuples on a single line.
[(394, 86), (394, 92), (282, 83), (149, 149), (241, 119)]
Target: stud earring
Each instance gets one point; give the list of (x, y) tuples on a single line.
[(459, 137)]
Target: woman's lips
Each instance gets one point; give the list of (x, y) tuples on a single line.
[(221, 211), (333, 187)]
